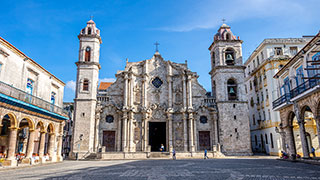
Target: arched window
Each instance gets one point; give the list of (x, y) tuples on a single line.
[(232, 89), (271, 139), (213, 60), (229, 56), (85, 85), (83, 31), (256, 139), (89, 30), (228, 37), (87, 54)]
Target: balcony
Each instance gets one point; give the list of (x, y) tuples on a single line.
[(17, 97), (281, 100), (309, 84), (210, 101)]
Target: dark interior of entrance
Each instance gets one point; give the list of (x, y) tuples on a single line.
[(157, 135)]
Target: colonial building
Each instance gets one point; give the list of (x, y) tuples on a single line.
[(299, 101), (31, 117), (157, 102), (261, 89)]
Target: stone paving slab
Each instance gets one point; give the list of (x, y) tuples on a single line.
[(225, 169)]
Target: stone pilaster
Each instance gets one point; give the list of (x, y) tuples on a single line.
[(124, 132), (189, 92), (12, 143), (119, 132), (169, 121), (290, 141), (191, 146), (185, 132), (42, 144), (30, 143), (125, 97), (184, 91), (51, 146), (303, 137)]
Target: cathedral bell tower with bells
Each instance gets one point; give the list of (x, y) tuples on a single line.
[(227, 78), (86, 91)]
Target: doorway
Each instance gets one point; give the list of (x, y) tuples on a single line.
[(157, 135), (109, 140), (204, 140)]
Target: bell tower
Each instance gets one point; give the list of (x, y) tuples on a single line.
[(227, 80), (86, 90)]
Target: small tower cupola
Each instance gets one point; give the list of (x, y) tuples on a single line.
[(225, 34), (90, 29)]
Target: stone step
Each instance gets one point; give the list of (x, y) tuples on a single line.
[(159, 154)]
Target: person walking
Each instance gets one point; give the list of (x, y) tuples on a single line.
[(313, 151), (205, 154), (173, 154)]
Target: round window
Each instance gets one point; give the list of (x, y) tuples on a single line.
[(203, 119), (109, 119)]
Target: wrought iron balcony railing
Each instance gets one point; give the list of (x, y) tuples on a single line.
[(305, 86), (282, 99), (16, 93)]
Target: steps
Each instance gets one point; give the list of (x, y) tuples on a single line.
[(159, 155)]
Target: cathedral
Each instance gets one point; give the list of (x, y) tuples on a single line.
[(158, 105)]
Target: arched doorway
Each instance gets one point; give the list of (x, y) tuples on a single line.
[(295, 133), (4, 135), (49, 141), (25, 139), (310, 129)]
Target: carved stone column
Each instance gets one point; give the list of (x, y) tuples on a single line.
[(318, 128), (42, 143), (185, 132), (125, 91), (191, 146), (130, 129), (30, 143), (59, 148), (189, 92), (184, 91), (170, 146), (124, 132), (12, 143), (303, 137), (51, 146), (119, 131), (145, 131)]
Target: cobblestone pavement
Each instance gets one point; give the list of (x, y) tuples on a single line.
[(225, 169)]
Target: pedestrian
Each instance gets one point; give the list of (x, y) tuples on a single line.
[(173, 154), (205, 154), (162, 147), (313, 151)]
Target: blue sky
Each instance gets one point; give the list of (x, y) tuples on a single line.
[(47, 30)]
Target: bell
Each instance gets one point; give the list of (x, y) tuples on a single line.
[(229, 57), (231, 91)]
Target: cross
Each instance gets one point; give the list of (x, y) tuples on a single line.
[(91, 17), (157, 44), (223, 20)]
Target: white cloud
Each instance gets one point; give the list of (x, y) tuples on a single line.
[(107, 80), (209, 14), (71, 85)]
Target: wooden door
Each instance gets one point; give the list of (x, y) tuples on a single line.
[(204, 140), (109, 140)]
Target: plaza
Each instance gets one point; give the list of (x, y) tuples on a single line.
[(162, 169)]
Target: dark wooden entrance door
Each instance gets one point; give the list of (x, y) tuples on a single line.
[(204, 140), (157, 135), (109, 140)]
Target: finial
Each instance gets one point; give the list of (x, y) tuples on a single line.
[(127, 60), (91, 17), (157, 44), (186, 62), (223, 20)]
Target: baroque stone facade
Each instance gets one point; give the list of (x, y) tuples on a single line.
[(155, 103)]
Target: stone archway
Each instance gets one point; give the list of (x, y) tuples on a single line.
[(8, 122), (49, 141), (310, 127), (25, 138)]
